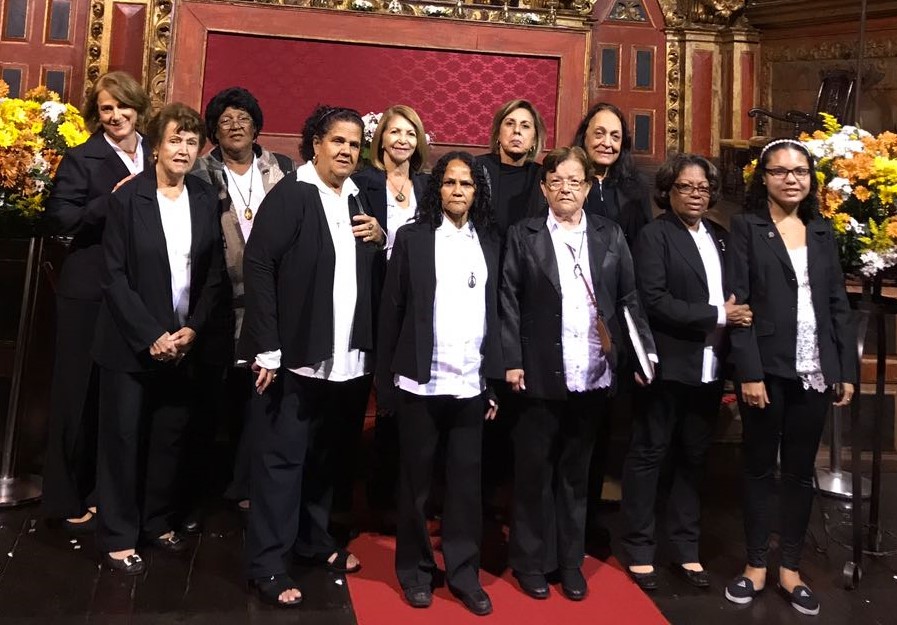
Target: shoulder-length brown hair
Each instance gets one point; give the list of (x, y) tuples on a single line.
[(420, 152), (506, 109), (122, 87)]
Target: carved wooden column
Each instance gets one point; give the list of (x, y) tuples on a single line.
[(740, 49), (133, 36)]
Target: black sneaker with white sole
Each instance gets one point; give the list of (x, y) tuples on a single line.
[(741, 590), (803, 600)]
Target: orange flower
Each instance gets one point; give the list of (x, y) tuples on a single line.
[(891, 229), (862, 193), (4, 89), (41, 94)]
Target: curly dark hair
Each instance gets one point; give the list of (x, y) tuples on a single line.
[(429, 211), (319, 123), (670, 170), (756, 200), (623, 169), (235, 97)]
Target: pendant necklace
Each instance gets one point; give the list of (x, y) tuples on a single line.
[(472, 280), (247, 212), (400, 196)]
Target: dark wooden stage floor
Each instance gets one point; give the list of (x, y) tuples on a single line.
[(46, 579)]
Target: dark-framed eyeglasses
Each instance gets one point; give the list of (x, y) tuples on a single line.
[(782, 172), (686, 188)]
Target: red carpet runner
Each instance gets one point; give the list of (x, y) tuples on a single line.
[(377, 599)]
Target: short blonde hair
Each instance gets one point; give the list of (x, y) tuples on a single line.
[(122, 87), (420, 152), (506, 109)]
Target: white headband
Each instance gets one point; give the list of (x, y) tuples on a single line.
[(800, 145)]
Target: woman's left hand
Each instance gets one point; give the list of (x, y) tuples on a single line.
[(846, 395), (492, 411), (368, 229), (184, 338)]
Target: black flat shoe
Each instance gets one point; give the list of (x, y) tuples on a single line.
[(477, 601), (645, 581), (129, 565), (418, 597), (573, 584), (741, 590), (802, 599), (533, 584), (175, 543), (698, 579)]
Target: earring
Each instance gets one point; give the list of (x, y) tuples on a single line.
[(314, 159)]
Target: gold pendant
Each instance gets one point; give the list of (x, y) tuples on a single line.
[(247, 214), (400, 197)]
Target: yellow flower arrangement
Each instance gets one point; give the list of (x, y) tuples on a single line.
[(857, 175), (35, 131)]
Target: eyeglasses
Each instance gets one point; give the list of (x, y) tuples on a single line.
[(574, 184), (688, 189), (782, 173), (240, 122)]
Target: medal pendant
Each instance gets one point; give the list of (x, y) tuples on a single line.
[(472, 280), (400, 197), (247, 214)]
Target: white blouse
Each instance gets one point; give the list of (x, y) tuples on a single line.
[(807, 361)]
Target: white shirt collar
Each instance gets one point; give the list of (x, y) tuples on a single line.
[(447, 228), (307, 173), (554, 224)]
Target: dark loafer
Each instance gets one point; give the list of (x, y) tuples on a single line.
[(802, 599), (175, 543), (477, 601), (741, 590), (698, 579), (129, 565), (533, 584), (573, 584), (645, 581), (418, 597)]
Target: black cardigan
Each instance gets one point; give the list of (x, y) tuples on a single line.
[(288, 268), (371, 183), (405, 337)]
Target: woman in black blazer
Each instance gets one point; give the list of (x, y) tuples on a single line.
[(115, 108), (562, 274), (393, 186), (162, 283), (516, 139), (438, 343), (680, 270), (797, 356), (311, 292)]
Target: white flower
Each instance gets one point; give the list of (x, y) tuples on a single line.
[(855, 226), (429, 9), (39, 165), (362, 5), (530, 18), (52, 110), (873, 262), (842, 186)]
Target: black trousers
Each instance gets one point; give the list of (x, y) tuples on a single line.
[(300, 424), (789, 427), (239, 389), (143, 431), (677, 421), (421, 422), (552, 447), (70, 465)]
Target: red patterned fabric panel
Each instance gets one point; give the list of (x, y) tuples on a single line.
[(455, 93)]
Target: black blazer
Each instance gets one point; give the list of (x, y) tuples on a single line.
[(371, 183), (288, 269), (136, 308), (673, 287), (626, 202), (531, 300), (77, 207), (760, 273), (535, 204), (405, 336)]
